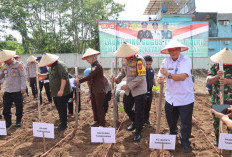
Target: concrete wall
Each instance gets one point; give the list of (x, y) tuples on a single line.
[(73, 59)]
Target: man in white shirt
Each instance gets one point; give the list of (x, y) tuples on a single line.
[(156, 34), (179, 93)]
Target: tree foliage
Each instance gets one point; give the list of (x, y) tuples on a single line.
[(57, 26)]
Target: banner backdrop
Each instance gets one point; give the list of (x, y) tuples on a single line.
[(152, 36)]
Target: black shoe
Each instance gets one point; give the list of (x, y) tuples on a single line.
[(215, 143), (8, 124), (62, 127), (137, 137), (131, 127), (186, 149), (18, 124), (147, 123)]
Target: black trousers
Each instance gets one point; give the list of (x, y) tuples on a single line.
[(61, 105), (8, 99), (147, 107), (106, 101), (185, 113), (47, 90), (33, 86), (70, 103), (137, 115)]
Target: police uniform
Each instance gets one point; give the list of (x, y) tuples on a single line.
[(31, 74), (97, 90), (15, 81), (135, 73), (150, 73)]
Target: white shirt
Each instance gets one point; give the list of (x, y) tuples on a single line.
[(156, 34), (179, 93)]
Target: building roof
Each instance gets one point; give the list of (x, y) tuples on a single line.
[(224, 16), (173, 6), (205, 16)]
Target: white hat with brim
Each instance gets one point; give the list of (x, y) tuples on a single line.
[(31, 59), (6, 55), (48, 59), (90, 52), (126, 50), (224, 55), (174, 44)]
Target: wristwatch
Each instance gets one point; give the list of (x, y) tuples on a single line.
[(169, 76)]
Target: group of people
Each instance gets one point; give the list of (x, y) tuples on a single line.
[(155, 33), (140, 78)]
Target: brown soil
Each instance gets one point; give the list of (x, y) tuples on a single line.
[(80, 145)]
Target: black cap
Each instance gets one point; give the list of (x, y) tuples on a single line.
[(144, 23), (39, 58), (155, 23)]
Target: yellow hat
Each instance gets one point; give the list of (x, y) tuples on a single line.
[(6, 55), (174, 44), (90, 52), (48, 59), (224, 55), (31, 59), (126, 50)]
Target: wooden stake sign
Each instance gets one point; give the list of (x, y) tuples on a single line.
[(38, 89), (159, 110), (77, 99)]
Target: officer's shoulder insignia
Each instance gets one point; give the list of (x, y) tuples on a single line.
[(93, 68), (140, 68), (21, 67)]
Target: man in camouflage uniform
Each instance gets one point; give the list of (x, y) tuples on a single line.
[(15, 86), (215, 79), (134, 70)]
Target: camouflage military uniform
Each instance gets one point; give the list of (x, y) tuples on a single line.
[(215, 99)]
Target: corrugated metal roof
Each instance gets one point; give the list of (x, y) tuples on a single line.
[(224, 16), (173, 6)]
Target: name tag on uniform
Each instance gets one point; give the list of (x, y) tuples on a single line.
[(141, 69)]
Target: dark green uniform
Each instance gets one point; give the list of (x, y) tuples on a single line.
[(57, 72)]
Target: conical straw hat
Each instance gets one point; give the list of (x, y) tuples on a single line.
[(174, 44), (48, 59), (6, 55), (126, 50), (90, 52), (31, 59), (224, 55)]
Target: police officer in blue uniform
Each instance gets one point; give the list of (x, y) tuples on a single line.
[(150, 77), (15, 86)]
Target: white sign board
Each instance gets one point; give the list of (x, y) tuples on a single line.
[(168, 141), (225, 141), (102, 135), (3, 128), (40, 128)]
